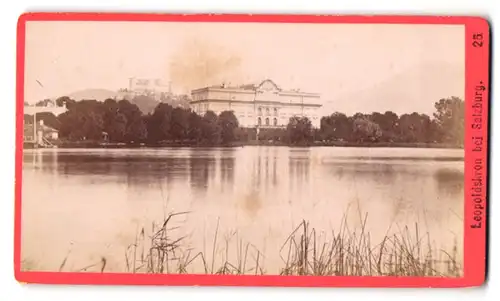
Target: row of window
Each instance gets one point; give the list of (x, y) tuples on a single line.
[(201, 108), (275, 121), (268, 111)]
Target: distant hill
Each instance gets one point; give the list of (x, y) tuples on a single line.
[(415, 90), (97, 94), (145, 103)]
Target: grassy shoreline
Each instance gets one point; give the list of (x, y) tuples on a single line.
[(408, 252), (347, 252)]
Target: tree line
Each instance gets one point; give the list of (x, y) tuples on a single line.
[(123, 122), (445, 126)]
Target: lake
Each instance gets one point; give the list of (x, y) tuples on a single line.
[(83, 205)]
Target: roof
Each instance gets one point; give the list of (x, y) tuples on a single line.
[(266, 84), (249, 86)]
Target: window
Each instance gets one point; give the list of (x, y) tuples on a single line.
[(259, 121), (275, 122), (267, 121), (267, 111), (260, 111), (275, 111)]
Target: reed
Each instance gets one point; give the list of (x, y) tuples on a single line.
[(407, 252), (164, 252), (350, 253)]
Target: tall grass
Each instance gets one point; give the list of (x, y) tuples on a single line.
[(164, 252), (351, 253), (408, 252)]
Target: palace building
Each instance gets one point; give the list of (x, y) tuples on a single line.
[(155, 88), (264, 105)]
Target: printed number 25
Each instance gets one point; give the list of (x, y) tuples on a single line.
[(478, 40)]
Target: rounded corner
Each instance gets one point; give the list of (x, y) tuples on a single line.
[(476, 282), (482, 22), (19, 276), (22, 19)]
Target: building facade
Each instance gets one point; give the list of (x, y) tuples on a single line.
[(264, 105), (154, 88), (43, 133)]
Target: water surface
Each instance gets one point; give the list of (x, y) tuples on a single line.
[(91, 203)]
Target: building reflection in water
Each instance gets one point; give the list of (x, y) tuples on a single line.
[(299, 165), (227, 169), (264, 170), (42, 161), (263, 185), (201, 170)]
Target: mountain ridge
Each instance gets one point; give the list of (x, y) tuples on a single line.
[(421, 87)]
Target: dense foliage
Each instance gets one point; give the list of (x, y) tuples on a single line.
[(446, 126), (122, 121)]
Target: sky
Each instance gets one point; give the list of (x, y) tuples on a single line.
[(355, 67)]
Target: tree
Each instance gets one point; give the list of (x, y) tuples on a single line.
[(365, 130), (62, 101), (92, 126), (415, 128), (389, 123), (116, 127), (135, 128), (179, 123), (84, 121), (115, 123), (211, 130), (195, 129), (70, 103), (44, 103), (337, 126), (247, 134), (449, 117), (227, 123), (158, 125), (300, 130), (266, 134)]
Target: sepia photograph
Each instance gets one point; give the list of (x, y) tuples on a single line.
[(226, 148)]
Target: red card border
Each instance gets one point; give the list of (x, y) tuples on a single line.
[(475, 240)]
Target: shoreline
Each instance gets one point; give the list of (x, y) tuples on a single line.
[(94, 145)]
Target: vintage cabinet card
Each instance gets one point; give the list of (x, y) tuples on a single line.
[(262, 150)]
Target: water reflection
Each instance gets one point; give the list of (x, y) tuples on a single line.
[(227, 169), (201, 167), (449, 182), (200, 171)]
